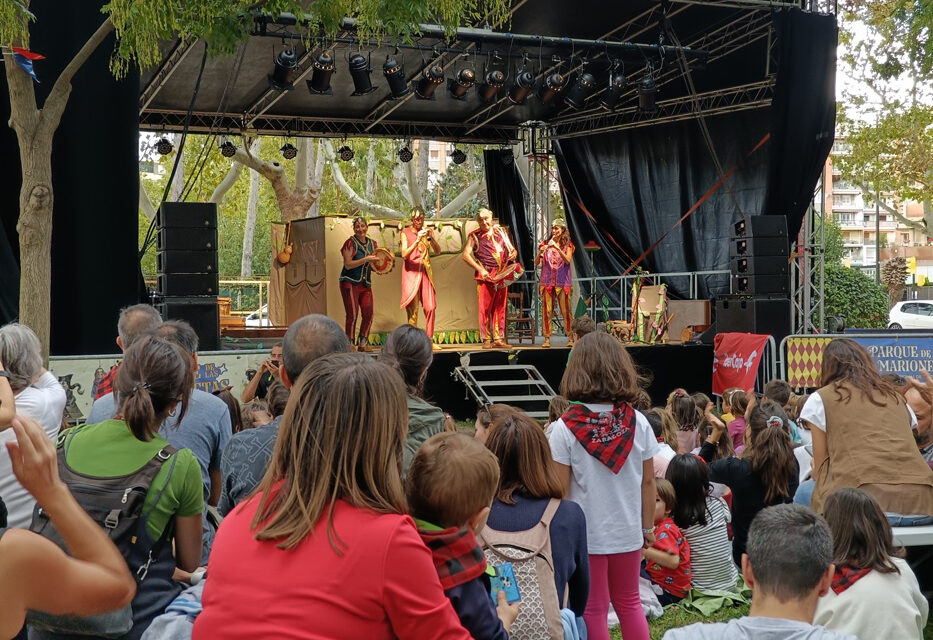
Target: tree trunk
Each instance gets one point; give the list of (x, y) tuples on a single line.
[(145, 204), (317, 180), (370, 170), (178, 180), (252, 205)]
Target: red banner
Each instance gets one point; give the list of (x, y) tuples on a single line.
[(736, 357)]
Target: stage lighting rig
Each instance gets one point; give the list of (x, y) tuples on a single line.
[(613, 94), (346, 153), (320, 77), (227, 149), (581, 90), (552, 86), (289, 151), (359, 71), (285, 65), (395, 77), (405, 154), (430, 79), (463, 82), (647, 92), (524, 84), (494, 81), (458, 156), (164, 146)]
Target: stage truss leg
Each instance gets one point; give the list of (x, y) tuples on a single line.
[(807, 269), (536, 149)]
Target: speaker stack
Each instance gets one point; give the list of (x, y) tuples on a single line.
[(186, 259), (760, 302)]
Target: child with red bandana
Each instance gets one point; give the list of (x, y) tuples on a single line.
[(667, 561), (450, 486)]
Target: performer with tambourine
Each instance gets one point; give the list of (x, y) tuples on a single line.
[(417, 244), (359, 254), (491, 254), (554, 256)]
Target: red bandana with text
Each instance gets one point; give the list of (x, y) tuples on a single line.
[(607, 436)]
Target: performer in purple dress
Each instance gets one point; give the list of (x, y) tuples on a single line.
[(554, 256)]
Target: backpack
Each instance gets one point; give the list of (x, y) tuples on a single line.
[(116, 504), (530, 554)]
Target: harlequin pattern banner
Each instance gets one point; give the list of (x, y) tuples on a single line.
[(804, 355), (902, 355)]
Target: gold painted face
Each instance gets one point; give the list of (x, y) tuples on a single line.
[(417, 221), (485, 221)]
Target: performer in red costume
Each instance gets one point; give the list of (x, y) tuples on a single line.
[(491, 254), (554, 256), (417, 244), (356, 283)]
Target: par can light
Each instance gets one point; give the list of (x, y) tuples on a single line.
[(289, 151), (320, 77), (430, 78), (463, 82), (285, 65), (524, 84), (346, 153), (395, 77), (494, 81), (359, 71), (613, 94), (581, 90), (551, 87), (405, 154)]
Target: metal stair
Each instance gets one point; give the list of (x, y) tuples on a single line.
[(520, 385)]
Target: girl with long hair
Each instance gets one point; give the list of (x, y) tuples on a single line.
[(603, 450), (324, 549), (409, 351), (528, 483), (688, 418), (861, 429), (765, 474), (737, 402), (703, 519), (874, 593)]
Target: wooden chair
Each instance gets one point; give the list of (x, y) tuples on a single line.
[(518, 320)]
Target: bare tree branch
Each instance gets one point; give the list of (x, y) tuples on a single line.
[(411, 180), (914, 224), (355, 198), (145, 203), (461, 200), (220, 191)]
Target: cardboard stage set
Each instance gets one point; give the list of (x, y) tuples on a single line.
[(309, 281)]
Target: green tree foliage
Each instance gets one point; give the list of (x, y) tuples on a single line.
[(853, 295), (833, 243)]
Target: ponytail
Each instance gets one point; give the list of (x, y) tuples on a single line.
[(138, 412), (770, 451)]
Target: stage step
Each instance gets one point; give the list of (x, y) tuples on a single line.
[(520, 385)]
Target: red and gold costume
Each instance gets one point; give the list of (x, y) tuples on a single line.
[(555, 283), (494, 251), (418, 281)]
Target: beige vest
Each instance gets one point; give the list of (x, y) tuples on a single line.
[(872, 448)]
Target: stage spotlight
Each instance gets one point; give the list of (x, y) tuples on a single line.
[(320, 77), (457, 87), (495, 80), (227, 149), (164, 146), (551, 87), (523, 85), (395, 77), (346, 153), (613, 94), (647, 91), (581, 90), (405, 154), (285, 65), (289, 151), (505, 155), (431, 77), (359, 71), (458, 156)]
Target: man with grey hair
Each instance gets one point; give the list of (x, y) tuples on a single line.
[(37, 394), (205, 428), (788, 566), (245, 459), (135, 321)]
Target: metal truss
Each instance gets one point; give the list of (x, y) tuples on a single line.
[(807, 270), (730, 100), (169, 65), (764, 5), (327, 127)]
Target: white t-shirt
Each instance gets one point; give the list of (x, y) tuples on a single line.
[(43, 401), (814, 412), (610, 501)]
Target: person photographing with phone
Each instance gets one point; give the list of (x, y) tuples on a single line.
[(267, 374)]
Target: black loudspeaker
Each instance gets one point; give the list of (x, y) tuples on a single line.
[(759, 256), (762, 227), (186, 262), (738, 314), (201, 313), (188, 284), (184, 239), (187, 215), (764, 246), (774, 265), (753, 284)]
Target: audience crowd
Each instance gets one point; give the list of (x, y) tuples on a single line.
[(330, 498)]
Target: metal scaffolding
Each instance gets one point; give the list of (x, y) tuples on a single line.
[(807, 269)]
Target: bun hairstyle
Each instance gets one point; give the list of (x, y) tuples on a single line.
[(154, 375), (408, 351), (769, 450)]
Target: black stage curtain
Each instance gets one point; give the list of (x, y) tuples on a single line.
[(9, 281), (637, 183), (95, 178), (508, 197), (803, 113)]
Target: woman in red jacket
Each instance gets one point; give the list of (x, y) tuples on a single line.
[(324, 548)]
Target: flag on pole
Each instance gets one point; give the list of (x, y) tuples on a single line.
[(24, 58), (26, 53)]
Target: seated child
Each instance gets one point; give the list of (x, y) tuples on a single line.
[(667, 561), (450, 486)]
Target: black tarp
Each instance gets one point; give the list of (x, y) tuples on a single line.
[(508, 197), (637, 183)]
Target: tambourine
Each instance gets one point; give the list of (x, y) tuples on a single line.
[(385, 263)]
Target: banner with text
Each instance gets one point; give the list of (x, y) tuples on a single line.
[(902, 355), (736, 357)]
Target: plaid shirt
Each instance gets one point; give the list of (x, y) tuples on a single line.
[(457, 556), (105, 385), (847, 575), (607, 436)]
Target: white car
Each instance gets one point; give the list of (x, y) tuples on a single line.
[(911, 314), (259, 318)]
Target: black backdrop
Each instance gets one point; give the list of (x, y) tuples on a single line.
[(508, 196), (95, 177), (637, 183)]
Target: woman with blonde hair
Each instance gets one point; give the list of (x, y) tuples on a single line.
[(324, 549)]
